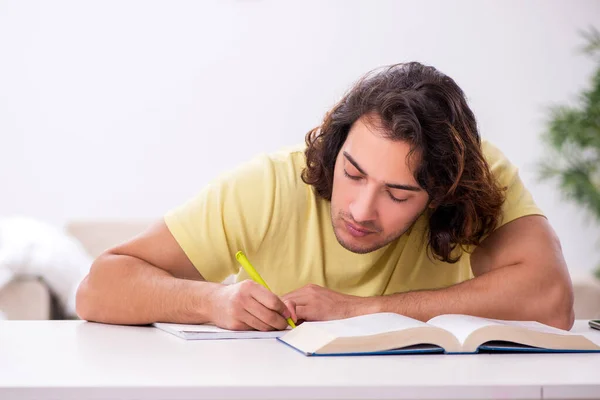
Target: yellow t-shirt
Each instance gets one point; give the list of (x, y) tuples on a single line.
[(265, 209)]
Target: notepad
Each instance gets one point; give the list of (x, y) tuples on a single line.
[(389, 333), (212, 332)]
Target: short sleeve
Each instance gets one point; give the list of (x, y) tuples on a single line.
[(230, 214), (519, 201)]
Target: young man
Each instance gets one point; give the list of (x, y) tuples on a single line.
[(394, 204)]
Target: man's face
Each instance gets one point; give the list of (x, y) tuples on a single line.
[(375, 196)]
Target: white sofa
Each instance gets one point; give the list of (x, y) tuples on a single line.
[(31, 299)]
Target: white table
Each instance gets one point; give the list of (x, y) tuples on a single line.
[(82, 360)]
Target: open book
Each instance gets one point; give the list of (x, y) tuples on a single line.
[(207, 331), (389, 333)]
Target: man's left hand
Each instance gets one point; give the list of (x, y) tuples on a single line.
[(316, 303)]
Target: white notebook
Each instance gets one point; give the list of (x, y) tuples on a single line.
[(212, 332)]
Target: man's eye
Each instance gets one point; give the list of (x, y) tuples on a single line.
[(353, 177), (397, 200)]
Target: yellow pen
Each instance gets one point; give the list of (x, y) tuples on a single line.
[(241, 257)]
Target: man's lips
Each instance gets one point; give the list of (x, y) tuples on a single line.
[(358, 231)]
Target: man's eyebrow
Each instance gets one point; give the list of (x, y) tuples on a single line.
[(390, 185), (353, 162)]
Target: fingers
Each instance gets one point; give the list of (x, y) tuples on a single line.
[(268, 319), (298, 298), (256, 322), (239, 326), (304, 308), (305, 314), (270, 300), (291, 306), (260, 309)]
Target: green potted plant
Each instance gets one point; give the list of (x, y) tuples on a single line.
[(572, 142)]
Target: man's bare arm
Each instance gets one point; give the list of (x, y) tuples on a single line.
[(125, 286), (150, 279), (520, 274)]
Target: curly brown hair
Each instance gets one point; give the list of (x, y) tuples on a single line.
[(420, 105)]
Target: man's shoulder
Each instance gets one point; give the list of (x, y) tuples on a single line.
[(496, 159), (287, 163), (490, 150), (292, 154)]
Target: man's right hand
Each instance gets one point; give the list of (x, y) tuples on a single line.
[(246, 305)]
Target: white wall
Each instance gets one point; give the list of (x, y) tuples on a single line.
[(124, 109)]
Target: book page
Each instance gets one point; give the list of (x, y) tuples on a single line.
[(463, 325), (460, 325), (593, 337), (533, 326), (370, 324)]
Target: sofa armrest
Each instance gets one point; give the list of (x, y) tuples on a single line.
[(26, 298), (586, 289)]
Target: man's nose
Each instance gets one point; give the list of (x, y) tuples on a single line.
[(363, 207)]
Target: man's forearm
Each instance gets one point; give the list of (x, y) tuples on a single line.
[(510, 293), (126, 290)]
